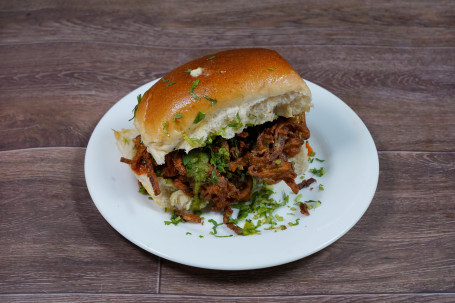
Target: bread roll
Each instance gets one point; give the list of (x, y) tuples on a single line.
[(252, 86)]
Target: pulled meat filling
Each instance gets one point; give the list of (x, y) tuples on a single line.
[(229, 165)]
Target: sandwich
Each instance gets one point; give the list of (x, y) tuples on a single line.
[(212, 130)]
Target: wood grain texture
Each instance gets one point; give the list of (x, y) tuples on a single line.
[(53, 95), (63, 64), (53, 238), (179, 24), (142, 298), (404, 243)]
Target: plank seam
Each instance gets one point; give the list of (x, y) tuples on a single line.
[(227, 47)]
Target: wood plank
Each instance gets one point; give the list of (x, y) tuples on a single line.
[(404, 243), (138, 298), (54, 94), (54, 239), (231, 23)]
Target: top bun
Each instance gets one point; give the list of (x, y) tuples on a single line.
[(250, 86)]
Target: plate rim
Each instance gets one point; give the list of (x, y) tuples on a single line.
[(158, 253)]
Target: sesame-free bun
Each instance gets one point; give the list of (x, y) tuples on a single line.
[(250, 86)]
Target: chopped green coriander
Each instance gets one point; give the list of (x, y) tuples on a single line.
[(199, 117), (188, 70), (201, 236), (165, 80), (319, 160), (311, 160), (213, 177), (177, 116), (188, 233), (313, 204), (285, 197), (215, 225), (275, 116), (299, 196), (212, 57), (312, 154), (139, 98), (236, 124), (195, 84), (165, 128), (189, 140), (293, 208), (321, 187), (170, 84), (142, 190), (210, 99), (250, 229), (174, 220), (271, 68), (224, 236), (282, 227), (295, 223), (319, 172), (150, 198), (279, 218)]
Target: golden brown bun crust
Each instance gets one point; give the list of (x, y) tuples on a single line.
[(231, 77)]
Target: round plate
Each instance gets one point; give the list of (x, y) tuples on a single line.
[(338, 136)]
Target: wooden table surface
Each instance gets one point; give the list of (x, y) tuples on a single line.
[(63, 65)]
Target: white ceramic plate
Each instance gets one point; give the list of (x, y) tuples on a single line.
[(337, 135)]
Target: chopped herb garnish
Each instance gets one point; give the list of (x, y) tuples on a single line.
[(189, 140), (272, 69), (188, 70), (224, 236), (285, 197), (313, 204), (299, 196), (214, 177), (212, 57), (279, 218), (199, 117), (195, 84), (312, 154), (201, 236), (319, 172), (164, 80), (170, 84), (321, 187), (177, 116), (142, 190), (250, 229), (210, 99), (295, 223), (165, 128), (319, 160), (236, 124), (174, 220), (139, 98), (215, 225), (188, 233)]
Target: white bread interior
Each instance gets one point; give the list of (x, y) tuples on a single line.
[(254, 112), (170, 197)]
